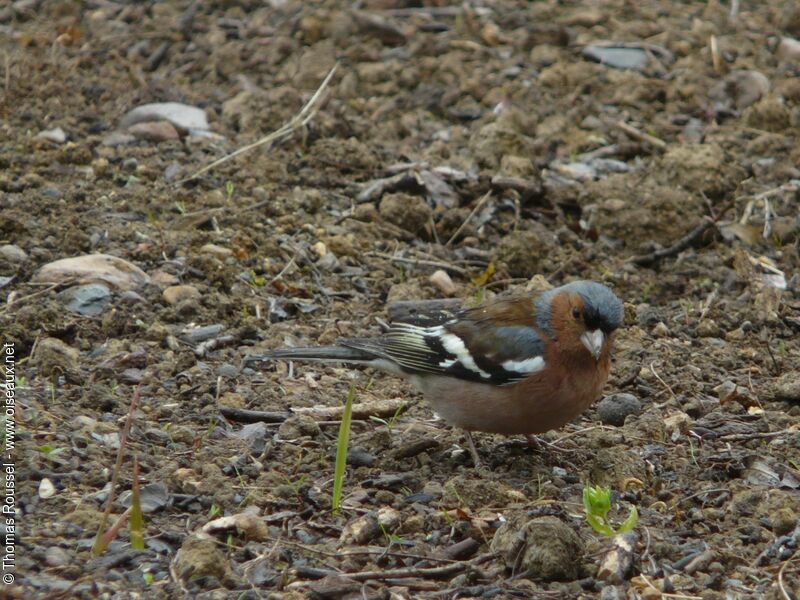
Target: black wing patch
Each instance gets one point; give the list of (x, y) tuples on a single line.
[(497, 356)]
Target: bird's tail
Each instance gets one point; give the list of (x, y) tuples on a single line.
[(315, 354)]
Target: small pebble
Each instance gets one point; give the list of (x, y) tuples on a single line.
[(56, 557), (88, 300), (708, 328), (13, 254), (319, 249), (178, 293), (661, 330), (218, 251), (228, 370), (196, 335), (358, 457), (788, 50), (182, 116), (130, 297), (613, 409), (57, 135), (443, 282), (46, 489), (617, 58)]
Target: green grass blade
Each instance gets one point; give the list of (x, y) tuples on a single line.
[(136, 523), (341, 451)]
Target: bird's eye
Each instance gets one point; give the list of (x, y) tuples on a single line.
[(576, 313)]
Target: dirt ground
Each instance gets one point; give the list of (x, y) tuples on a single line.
[(675, 182)]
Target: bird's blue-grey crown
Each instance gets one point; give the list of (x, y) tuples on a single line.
[(602, 309)]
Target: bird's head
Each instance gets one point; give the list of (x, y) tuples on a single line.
[(581, 316)]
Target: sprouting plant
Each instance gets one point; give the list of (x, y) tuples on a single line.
[(391, 538), (257, 280), (597, 504), (391, 422), (48, 450), (229, 189), (180, 206), (341, 450), (214, 510)]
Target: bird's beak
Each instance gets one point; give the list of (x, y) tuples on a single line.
[(593, 340)]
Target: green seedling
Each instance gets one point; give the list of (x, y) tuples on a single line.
[(257, 280), (597, 504), (229, 189), (49, 450), (341, 451), (391, 422), (136, 523), (214, 511)]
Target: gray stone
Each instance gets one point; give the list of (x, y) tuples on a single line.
[(88, 300), (616, 57), (153, 496), (13, 254), (184, 117), (228, 370), (57, 135), (613, 409), (196, 335)]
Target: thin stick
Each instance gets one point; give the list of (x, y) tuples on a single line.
[(100, 543), (283, 270), (417, 261), (299, 120), (664, 383), (640, 135), (665, 595), (431, 572), (780, 577), (50, 288), (474, 211), (679, 246), (715, 57)]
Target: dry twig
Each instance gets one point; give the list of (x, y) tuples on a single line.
[(419, 262), (474, 211), (679, 246), (102, 540), (640, 135), (299, 120)]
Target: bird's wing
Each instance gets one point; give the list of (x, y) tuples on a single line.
[(497, 344)]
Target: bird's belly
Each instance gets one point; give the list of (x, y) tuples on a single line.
[(492, 409)]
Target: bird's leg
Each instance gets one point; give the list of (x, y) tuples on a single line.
[(472, 450), (533, 441)]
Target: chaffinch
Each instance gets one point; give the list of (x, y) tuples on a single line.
[(520, 365)]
